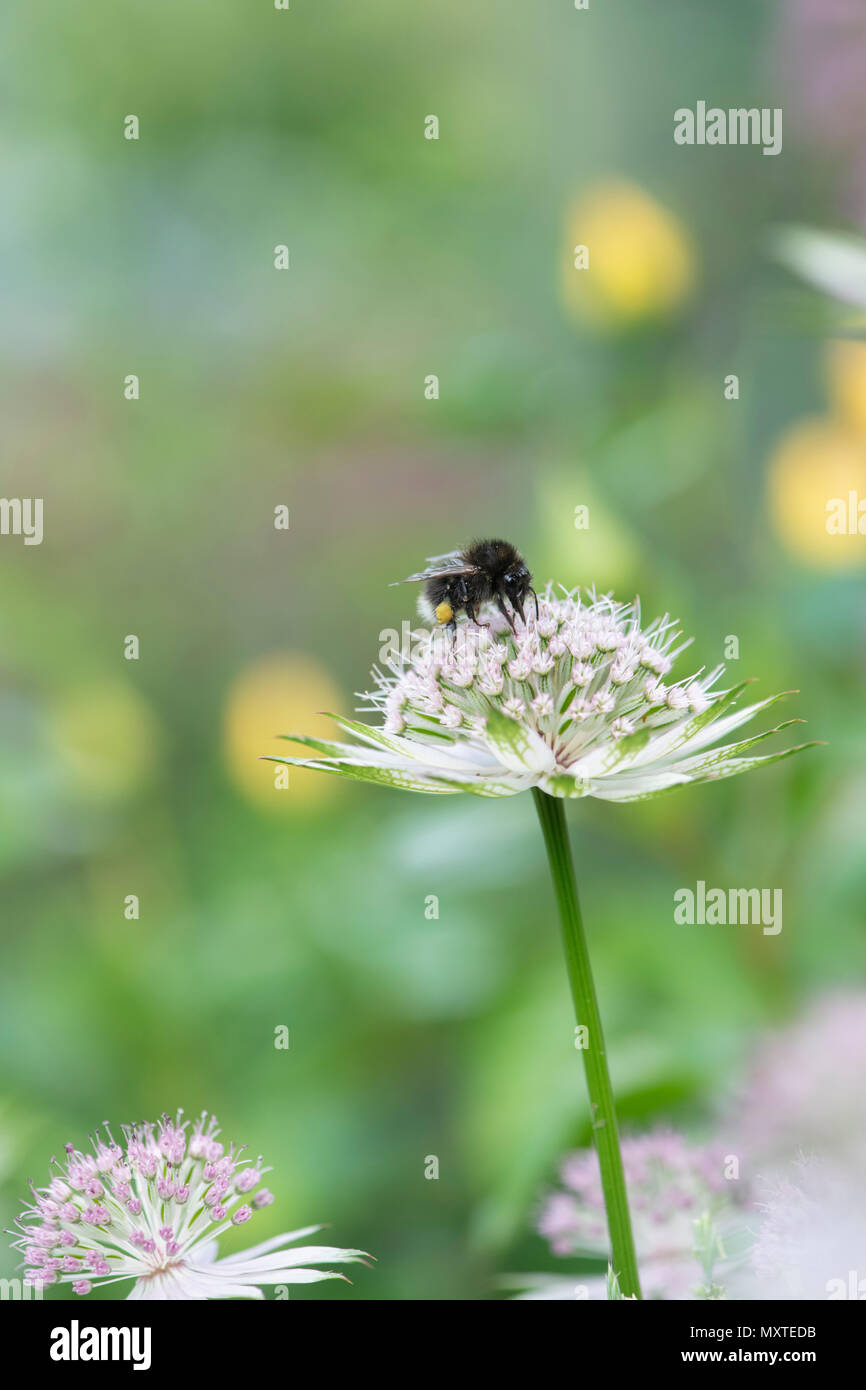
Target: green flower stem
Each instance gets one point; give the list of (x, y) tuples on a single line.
[(551, 813)]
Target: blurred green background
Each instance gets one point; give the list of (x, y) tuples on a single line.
[(558, 388)]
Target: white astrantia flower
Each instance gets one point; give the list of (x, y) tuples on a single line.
[(578, 702), (153, 1212)]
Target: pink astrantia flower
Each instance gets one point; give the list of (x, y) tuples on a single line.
[(682, 1206), (153, 1211)]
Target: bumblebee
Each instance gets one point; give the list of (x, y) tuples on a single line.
[(463, 580)]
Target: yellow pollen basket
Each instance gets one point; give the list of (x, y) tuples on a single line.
[(444, 612)]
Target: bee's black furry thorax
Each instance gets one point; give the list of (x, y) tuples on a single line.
[(494, 557)]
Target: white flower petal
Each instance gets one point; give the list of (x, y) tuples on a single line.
[(265, 1246), (701, 730), (290, 1259), (517, 746), (632, 787)]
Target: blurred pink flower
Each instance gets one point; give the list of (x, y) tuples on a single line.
[(671, 1184), (823, 47), (804, 1090), (811, 1243)]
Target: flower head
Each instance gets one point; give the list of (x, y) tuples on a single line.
[(578, 702), (152, 1211), (686, 1216), (678, 1192)]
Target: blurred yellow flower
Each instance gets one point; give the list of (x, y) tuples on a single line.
[(816, 470), (106, 737), (639, 262), (582, 538), (846, 381), (275, 696)]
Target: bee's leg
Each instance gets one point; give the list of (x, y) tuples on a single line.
[(500, 604), (473, 615), (535, 597)]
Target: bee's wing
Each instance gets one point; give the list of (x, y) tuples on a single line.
[(438, 567)]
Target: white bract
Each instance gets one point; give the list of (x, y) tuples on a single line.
[(153, 1211), (578, 702), (834, 262)]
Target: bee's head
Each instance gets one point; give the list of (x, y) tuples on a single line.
[(517, 581)]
